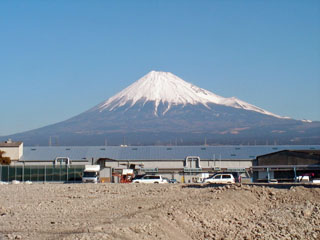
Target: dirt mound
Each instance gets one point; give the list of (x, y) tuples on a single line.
[(137, 211)]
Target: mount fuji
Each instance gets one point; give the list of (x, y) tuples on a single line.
[(161, 108), (164, 88)]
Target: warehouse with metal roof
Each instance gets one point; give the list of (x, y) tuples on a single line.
[(287, 165), (181, 162)]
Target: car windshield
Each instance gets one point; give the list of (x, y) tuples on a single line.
[(89, 174), (138, 177)]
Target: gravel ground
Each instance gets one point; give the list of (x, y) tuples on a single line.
[(168, 211)]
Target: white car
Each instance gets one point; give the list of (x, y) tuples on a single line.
[(220, 178), (316, 181), (303, 179), (150, 179)]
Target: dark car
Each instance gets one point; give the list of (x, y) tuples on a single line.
[(173, 180)]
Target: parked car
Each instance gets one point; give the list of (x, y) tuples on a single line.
[(150, 179), (220, 178), (273, 181), (166, 179), (303, 178), (306, 177), (316, 181), (173, 180)]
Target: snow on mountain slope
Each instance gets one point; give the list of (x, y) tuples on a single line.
[(167, 88)]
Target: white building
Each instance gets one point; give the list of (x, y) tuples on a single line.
[(13, 150)]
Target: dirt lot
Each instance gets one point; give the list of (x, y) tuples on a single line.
[(137, 211)]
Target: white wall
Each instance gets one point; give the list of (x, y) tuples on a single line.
[(15, 153), (180, 164), (226, 164), (106, 172)]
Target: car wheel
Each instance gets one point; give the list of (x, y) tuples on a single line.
[(136, 182), (156, 182)]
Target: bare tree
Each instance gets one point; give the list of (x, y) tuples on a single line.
[(4, 160)]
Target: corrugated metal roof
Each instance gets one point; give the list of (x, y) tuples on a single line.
[(156, 152)]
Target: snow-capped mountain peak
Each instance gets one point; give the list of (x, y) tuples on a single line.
[(167, 88)]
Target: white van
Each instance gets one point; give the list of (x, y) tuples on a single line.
[(220, 178), (150, 179)]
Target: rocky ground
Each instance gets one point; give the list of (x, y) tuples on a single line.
[(170, 211)]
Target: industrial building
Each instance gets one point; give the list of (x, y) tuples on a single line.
[(286, 165), (184, 163)]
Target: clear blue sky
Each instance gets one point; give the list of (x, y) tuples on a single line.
[(60, 58)]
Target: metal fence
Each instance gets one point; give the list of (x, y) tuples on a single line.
[(41, 173)]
